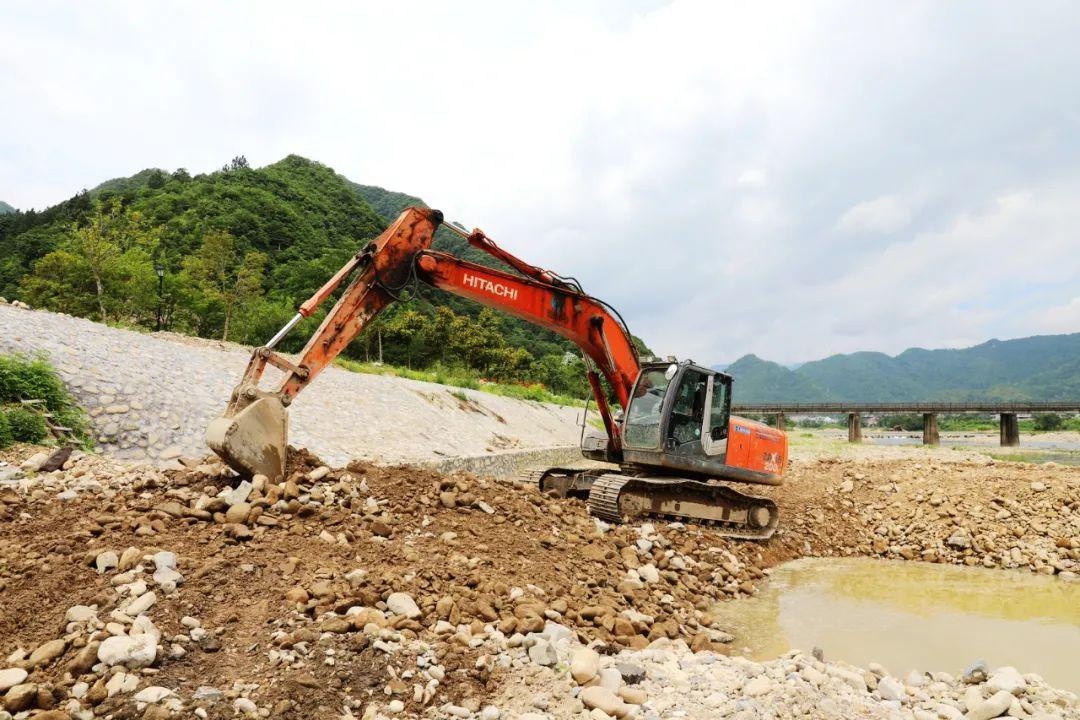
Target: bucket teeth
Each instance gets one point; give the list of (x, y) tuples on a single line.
[(254, 440)]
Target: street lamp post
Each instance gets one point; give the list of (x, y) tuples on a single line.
[(160, 270)]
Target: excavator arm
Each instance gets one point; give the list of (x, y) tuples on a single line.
[(252, 435)]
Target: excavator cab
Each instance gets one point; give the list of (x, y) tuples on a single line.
[(678, 408), (679, 417)]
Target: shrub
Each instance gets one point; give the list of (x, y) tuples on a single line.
[(1048, 421), (27, 426), (6, 437), (25, 379), (907, 422)]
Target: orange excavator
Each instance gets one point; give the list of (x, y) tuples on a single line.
[(676, 445)]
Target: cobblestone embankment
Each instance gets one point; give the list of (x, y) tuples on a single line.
[(150, 397)]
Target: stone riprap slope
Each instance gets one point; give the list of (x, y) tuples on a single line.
[(150, 397)]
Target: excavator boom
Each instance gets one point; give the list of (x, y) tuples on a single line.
[(252, 434)]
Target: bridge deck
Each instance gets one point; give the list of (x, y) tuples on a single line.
[(900, 407)]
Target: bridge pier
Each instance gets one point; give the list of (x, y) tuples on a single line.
[(854, 427), (781, 421), (930, 434), (1010, 430)]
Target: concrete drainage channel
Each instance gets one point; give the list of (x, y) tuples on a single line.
[(509, 462)]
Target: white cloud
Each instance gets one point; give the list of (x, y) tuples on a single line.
[(884, 215), (784, 178), (1058, 318), (752, 178)]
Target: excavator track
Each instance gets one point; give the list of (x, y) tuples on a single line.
[(615, 497)]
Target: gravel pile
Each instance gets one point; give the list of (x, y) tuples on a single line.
[(365, 592)]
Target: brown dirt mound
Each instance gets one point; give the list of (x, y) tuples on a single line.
[(292, 587)]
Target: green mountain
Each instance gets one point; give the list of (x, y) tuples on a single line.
[(769, 382), (1043, 367), (5, 208), (241, 248)]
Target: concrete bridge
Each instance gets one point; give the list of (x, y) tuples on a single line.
[(1007, 411)]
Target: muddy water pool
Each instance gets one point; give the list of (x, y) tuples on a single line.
[(913, 616)]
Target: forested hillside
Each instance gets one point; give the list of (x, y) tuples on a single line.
[(5, 208), (759, 380), (240, 249), (1035, 368)]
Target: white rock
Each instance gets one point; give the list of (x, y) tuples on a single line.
[(1008, 679), (542, 653), (556, 633), (401, 603), (394, 706), (490, 713), (611, 679), (889, 688), (165, 559), (10, 678), (132, 652), (993, 706), (141, 604), (604, 700), (143, 625), (34, 462), (758, 686), (153, 694), (106, 561), (238, 494), (852, 678), (244, 705), (117, 683), (584, 664), (649, 573), (168, 578), (1038, 486), (80, 613)]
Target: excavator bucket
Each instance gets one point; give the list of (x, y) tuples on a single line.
[(253, 441)]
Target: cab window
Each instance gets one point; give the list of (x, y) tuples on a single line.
[(719, 409), (642, 426), (688, 408)]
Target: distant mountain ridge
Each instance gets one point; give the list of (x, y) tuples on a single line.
[(1043, 367), (5, 208)]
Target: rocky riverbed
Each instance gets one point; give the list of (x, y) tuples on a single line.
[(360, 592)]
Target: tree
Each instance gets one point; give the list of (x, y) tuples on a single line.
[(237, 163), (94, 243), (224, 275)]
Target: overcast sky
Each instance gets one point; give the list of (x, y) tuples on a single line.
[(792, 180)]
